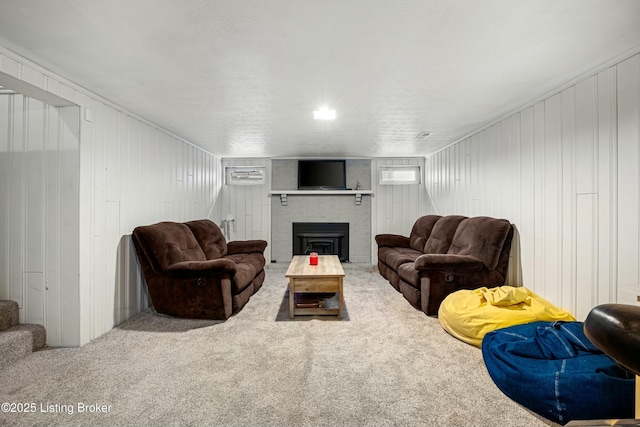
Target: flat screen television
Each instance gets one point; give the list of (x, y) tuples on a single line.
[(321, 175)]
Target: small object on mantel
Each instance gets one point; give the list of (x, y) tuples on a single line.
[(313, 258)]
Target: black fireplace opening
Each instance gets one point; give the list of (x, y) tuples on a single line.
[(325, 238)]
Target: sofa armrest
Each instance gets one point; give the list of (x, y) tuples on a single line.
[(392, 240), (246, 247), (448, 262), (186, 268)]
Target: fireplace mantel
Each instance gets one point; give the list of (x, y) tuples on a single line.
[(357, 193)]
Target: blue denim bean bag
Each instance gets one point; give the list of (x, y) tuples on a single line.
[(552, 369)]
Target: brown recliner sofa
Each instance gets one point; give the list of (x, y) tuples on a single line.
[(444, 254), (191, 271)]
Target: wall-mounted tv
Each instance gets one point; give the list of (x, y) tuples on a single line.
[(321, 175)]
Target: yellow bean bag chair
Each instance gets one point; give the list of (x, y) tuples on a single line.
[(470, 314)]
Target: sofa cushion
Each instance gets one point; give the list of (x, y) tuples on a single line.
[(392, 240), (442, 234), (389, 274), (448, 262), (194, 268), (246, 247), (395, 257), (245, 273), (254, 259), (409, 274), (421, 231), (209, 236), (167, 243), (483, 238)]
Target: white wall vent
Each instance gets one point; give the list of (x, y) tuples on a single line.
[(244, 175)]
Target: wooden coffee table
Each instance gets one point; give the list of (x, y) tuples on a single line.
[(326, 277)]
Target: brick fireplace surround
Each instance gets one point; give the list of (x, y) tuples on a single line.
[(320, 208)]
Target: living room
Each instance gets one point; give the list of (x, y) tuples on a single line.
[(83, 165)]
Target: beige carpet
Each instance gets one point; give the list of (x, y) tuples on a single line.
[(385, 364)]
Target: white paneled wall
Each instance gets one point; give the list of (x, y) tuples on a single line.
[(565, 172), (128, 172), (131, 174), (395, 208), (38, 207), (249, 205), (627, 256)]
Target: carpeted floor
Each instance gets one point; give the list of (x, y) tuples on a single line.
[(384, 364)]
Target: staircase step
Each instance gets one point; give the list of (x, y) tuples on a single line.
[(8, 314), (19, 341)]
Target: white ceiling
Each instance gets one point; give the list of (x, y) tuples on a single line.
[(242, 78)]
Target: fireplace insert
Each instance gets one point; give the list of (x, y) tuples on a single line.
[(325, 238)]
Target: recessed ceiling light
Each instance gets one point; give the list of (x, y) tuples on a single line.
[(324, 114), (423, 135)]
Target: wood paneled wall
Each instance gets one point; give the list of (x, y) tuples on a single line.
[(128, 172), (626, 258), (39, 154), (131, 174), (564, 171), (249, 205), (395, 208)]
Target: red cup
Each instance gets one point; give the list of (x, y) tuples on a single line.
[(313, 258)]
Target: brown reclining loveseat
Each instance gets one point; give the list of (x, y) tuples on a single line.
[(444, 254), (191, 271)]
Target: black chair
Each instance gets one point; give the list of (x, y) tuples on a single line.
[(615, 329)]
